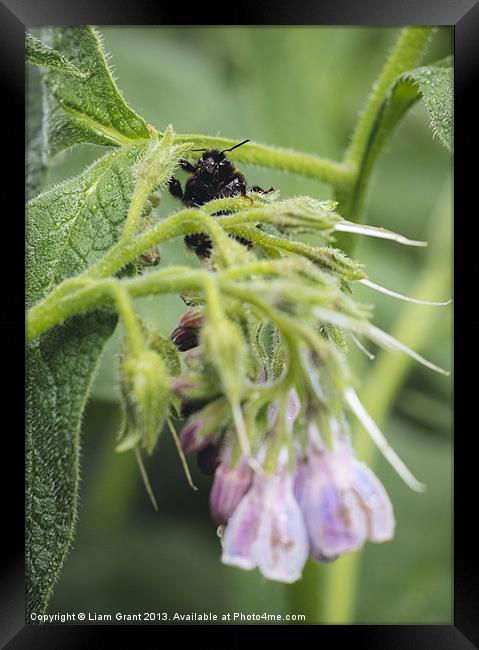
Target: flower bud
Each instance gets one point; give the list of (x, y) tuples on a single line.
[(154, 199), (186, 335), (151, 257), (231, 482), (204, 426), (146, 389)]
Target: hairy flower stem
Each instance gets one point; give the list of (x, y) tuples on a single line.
[(53, 310), (181, 223), (131, 324)]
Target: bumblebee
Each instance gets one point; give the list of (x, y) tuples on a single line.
[(213, 177)]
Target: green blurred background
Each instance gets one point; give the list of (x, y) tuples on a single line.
[(302, 88)]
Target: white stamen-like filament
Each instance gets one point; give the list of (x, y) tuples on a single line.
[(400, 296), (378, 438), (373, 231), (386, 340)]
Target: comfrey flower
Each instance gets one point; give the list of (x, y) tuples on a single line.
[(342, 501), (267, 530)]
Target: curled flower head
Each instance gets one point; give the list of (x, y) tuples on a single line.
[(264, 371)]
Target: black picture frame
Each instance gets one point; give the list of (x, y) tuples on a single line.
[(14, 16)]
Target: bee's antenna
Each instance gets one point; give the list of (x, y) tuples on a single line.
[(198, 149), (236, 146)]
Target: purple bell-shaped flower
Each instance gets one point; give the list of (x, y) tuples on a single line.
[(343, 502), (267, 530)]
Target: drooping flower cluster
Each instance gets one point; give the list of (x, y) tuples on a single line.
[(296, 496)]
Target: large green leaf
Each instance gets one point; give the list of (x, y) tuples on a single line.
[(87, 109), (68, 228), (433, 84), (60, 368)]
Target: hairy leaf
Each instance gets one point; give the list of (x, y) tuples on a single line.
[(68, 227), (60, 368), (91, 109), (434, 85), (40, 54)]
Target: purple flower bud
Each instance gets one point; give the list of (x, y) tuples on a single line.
[(294, 408), (183, 384), (204, 426), (185, 338), (229, 486), (343, 503), (186, 335), (190, 436), (267, 530)]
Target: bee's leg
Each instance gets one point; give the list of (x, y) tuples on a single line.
[(246, 196), (175, 188), (187, 166), (255, 188)]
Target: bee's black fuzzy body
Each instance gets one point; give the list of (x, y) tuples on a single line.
[(213, 177)]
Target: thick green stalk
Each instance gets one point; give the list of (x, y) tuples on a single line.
[(407, 52)]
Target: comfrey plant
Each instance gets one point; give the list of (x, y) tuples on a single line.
[(257, 366)]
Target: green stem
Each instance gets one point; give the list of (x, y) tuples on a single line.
[(407, 51), (134, 213), (54, 310), (331, 172), (181, 223), (131, 324)]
